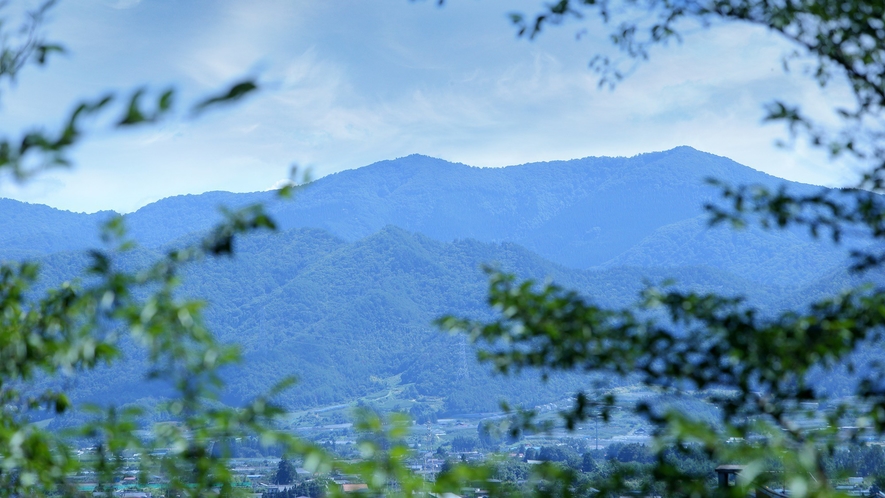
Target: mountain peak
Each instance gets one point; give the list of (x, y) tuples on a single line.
[(679, 151), (426, 161)]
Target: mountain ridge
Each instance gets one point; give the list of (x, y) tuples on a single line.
[(583, 213), (363, 261)]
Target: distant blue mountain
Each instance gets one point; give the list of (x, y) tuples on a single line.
[(365, 259), (31, 230), (640, 211)]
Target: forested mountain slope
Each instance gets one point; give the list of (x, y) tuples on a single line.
[(579, 213), (346, 292), (639, 211), (789, 258), (30, 230), (341, 315)]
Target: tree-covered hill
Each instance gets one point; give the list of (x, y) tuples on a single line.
[(784, 257), (638, 211), (30, 230), (579, 213), (341, 315)]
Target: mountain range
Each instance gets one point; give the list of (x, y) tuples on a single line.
[(343, 295)]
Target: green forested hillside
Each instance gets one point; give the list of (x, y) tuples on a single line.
[(782, 257), (364, 310), (342, 316)]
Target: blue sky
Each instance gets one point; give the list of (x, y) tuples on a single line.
[(349, 82)]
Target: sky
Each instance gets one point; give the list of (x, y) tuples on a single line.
[(346, 83)]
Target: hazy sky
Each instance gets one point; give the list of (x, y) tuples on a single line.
[(349, 82)]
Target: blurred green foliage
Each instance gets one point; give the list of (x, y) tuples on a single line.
[(763, 366)]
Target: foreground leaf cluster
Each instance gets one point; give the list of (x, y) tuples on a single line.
[(679, 342)]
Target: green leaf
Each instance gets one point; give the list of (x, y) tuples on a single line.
[(236, 92), (134, 114)]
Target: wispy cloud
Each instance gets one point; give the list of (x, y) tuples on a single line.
[(350, 82)]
